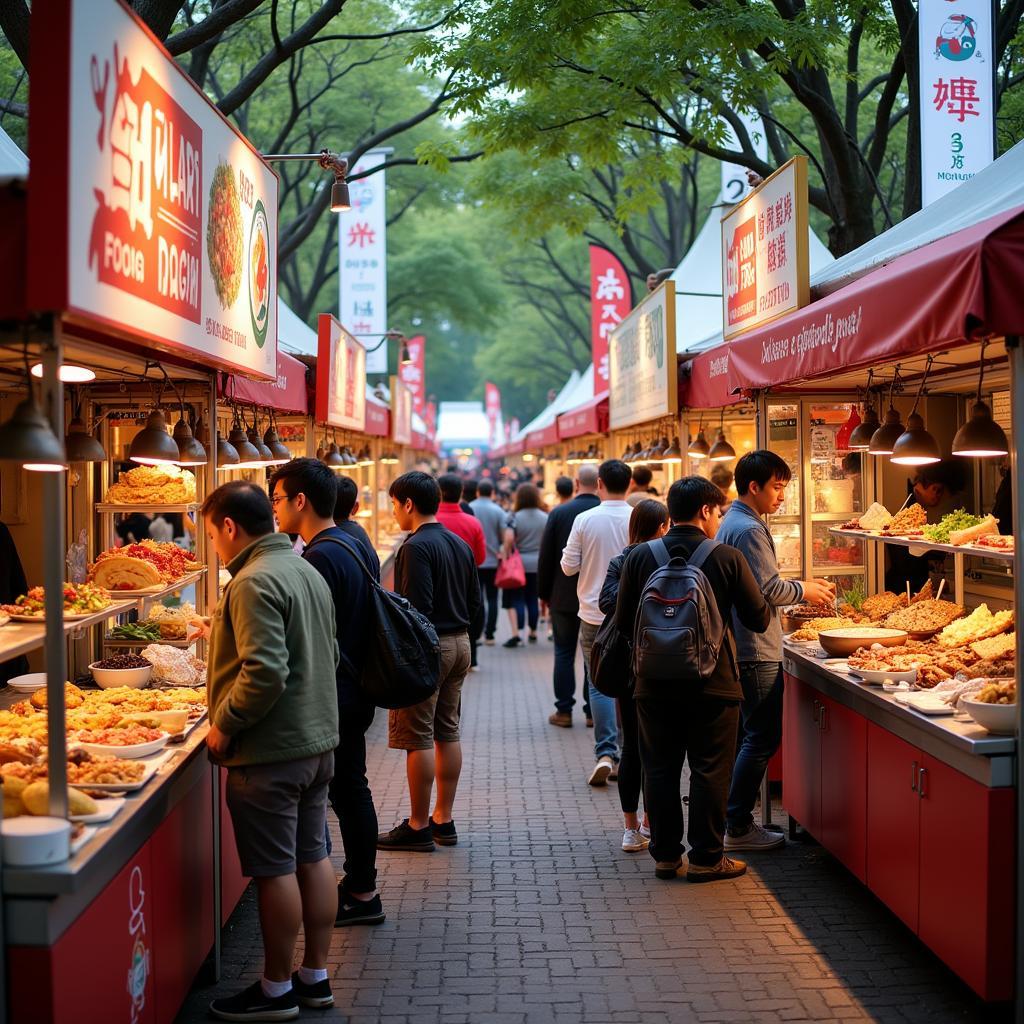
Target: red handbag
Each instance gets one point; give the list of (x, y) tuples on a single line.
[(510, 574)]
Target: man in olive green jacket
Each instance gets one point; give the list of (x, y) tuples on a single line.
[(274, 725)]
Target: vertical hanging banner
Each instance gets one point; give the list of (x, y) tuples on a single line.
[(957, 93), (413, 375), (513, 428), (430, 418), (611, 298), (362, 262), (401, 412), (492, 408)]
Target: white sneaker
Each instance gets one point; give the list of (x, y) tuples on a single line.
[(633, 841), (755, 838), (645, 831), (603, 768)]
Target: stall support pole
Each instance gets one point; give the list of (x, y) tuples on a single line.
[(1016, 358)]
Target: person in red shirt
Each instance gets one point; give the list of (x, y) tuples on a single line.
[(465, 525)]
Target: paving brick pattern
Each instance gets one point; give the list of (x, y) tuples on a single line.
[(537, 915)]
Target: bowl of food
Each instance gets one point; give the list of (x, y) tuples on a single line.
[(122, 670), (797, 616), (994, 706), (844, 641), (881, 677)]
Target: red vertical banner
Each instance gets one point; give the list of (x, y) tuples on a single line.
[(430, 418), (492, 408), (413, 375), (611, 298)]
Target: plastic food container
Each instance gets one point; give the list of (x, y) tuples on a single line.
[(106, 678), (30, 841)]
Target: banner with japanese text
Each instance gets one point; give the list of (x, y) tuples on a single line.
[(956, 87), (765, 251), (492, 409), (413, 374), (166, 213), (362, 262), (340, 376), (611, 298)]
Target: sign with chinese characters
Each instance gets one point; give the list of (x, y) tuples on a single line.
[(765, 257), (168, 215), (956, 87), (643, 382), (401, 412), (492, 409), (413, 374), (362, 262), (513, 428), (611, 298), (340, 376), (735, 185)]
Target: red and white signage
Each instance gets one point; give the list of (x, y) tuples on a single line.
[(340, 376), (149, 212), (378, 418), (401, 412), (765, 251), (492, 409), (413, 375), (430, 418), (288, 393), (611, 299)]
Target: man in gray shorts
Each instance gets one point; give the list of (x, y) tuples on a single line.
[(436, 571), (274, 726)]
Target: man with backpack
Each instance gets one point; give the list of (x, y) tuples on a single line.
[(676, 600), (435, 570), (305, 496), (761, 478)]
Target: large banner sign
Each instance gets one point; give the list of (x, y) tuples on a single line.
[(340, 376), (956, 87), (611, 298), (165, 215), (765, 251), (642, 356), (492, 408), (362, 262), (413, 375)]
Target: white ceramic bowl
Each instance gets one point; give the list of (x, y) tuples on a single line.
[(131, 751), (891, 676), (997, 718), (107, 678), (29, 841), (28, 683)]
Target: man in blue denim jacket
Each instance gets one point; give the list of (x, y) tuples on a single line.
[(761, 478)]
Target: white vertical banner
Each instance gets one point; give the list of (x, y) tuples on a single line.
[(362, 262), (734, 176), (957, 93)]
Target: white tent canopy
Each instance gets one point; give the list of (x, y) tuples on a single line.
[(463, 423), (13, 162), (295, 336)]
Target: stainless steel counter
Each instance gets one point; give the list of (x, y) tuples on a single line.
[(965, 746)]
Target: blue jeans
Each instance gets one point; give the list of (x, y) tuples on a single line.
[(566, 629), (602, 708), (760, 737), (525, 602)]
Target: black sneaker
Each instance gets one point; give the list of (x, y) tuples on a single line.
[(317, 996), (512, 641), (252, 1004), (444, 835), (403, 837), (353, 911)]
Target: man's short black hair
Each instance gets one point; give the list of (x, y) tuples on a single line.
[(469, 490), (563, 487), (348, 494), (486, 489), (245, 504), (688, 496), (311, 478), (615, 475), (642, 476), (759, 467), (419, 488), (451, 487)]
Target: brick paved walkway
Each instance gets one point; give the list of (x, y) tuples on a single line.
[(537, 916)]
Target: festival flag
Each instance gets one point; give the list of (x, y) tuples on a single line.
[(413, 375), (611, 298)]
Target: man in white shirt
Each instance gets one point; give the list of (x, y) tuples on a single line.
[(597, 536)]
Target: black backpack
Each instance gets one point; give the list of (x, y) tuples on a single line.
[(403, 654), (679, 629)]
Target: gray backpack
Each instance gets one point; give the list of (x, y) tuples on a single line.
[(679, 630)]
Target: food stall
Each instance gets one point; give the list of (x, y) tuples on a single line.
[(900, 720), (152, 275)]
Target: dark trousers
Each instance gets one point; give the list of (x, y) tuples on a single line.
[(566, 629), (352, 801), (525, 602), (701, 730), (630, 769), (760, 735), (491, 597)]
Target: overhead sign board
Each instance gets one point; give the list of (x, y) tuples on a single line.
[(765, 251), (150, 214), (642, 359), (340, 376)]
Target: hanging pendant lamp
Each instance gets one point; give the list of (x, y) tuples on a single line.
[(699, 447), (190, 451), (28, 438), (981, 437), (332, 457), (884, 439), (673, 453), (915, 446), (721, 450), (248, 453), (860, 439), (153, 446), (227, 454)]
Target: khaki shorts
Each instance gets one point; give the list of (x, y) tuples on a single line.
[(437, 718)]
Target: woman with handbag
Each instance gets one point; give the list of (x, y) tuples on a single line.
[(522, 540), (648, 521)]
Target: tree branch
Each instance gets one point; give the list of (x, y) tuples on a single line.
[(221, 17)]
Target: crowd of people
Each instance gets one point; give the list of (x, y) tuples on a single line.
[(692, 597)]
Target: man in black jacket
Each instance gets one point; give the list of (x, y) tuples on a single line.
[(558, 591), (691, 718)]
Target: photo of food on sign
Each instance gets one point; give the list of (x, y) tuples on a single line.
[(259, 273), (224, 235)]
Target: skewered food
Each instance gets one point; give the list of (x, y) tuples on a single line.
[(924, 616), (979, 625), (153, 485), (913, 517), (79, 599)]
